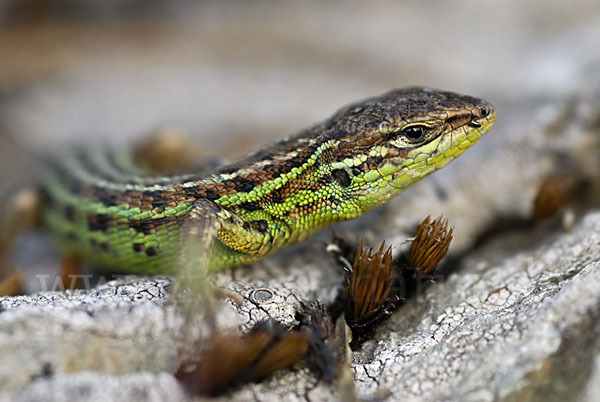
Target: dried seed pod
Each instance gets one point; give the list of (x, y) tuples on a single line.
[(284, 353), (377, 285), (11, 285), (167, 151), (230, 359), (552, 195), (430, 244), (221, 364), (370, 281), (323, 355)]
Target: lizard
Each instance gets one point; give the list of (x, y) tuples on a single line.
[(107, 209)]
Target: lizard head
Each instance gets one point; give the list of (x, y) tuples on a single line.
[(374, 149)]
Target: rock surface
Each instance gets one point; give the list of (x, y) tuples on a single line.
[(523, 329)]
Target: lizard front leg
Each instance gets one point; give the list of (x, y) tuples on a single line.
[(213, 237)]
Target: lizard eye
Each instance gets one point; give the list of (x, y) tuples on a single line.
[(342, 177), (483, 110), (414, 133)]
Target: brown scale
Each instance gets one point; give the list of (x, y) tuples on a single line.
[(304, 181), (101, 222)]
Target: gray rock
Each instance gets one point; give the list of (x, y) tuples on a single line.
[(523, 329), (94, 386), (120, 327)]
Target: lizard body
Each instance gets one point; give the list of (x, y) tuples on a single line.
[(112, 212)]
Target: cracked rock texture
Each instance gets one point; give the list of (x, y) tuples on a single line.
[(525, 328), (514, 315)]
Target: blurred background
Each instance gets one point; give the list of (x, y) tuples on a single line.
[(236, 74)]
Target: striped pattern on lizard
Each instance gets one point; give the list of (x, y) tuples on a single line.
[(114, 213)]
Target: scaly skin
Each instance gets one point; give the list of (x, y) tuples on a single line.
[(108, 210)]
